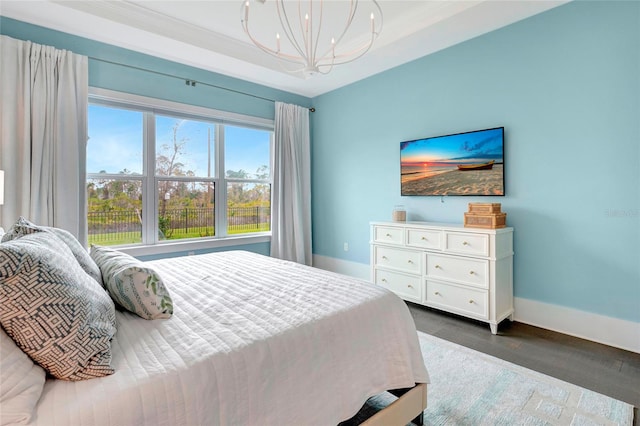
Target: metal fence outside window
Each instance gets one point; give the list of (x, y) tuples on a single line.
[(123, 227), (105, 227)]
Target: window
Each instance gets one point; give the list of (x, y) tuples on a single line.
[(173, 172)]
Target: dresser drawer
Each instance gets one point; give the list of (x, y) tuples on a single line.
[(467, 243), (401, 260), (458, 269), (467, 301), (424, 238), (388, 235), (406, 286)]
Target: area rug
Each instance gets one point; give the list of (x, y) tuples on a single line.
[(471, 388)]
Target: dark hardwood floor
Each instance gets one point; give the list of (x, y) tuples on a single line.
[(600, 368)]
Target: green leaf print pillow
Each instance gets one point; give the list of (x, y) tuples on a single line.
[(132, 284)]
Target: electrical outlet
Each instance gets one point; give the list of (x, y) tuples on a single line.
[(346, 247)]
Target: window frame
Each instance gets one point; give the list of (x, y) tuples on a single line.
[(150, 108)]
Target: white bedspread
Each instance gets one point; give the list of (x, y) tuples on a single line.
[(253, 341)]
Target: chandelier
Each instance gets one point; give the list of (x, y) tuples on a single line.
[(308, 38)]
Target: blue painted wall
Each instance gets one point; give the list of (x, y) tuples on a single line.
[(565, 85)]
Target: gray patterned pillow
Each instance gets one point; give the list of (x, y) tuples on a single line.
[(53, 310), (133, 285), (23, 227)]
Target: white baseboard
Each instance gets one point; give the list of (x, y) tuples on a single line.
[(610, 331)]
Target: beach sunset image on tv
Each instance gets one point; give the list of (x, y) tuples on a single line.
[(470, 163)]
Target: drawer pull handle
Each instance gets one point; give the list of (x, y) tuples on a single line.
[(424, 238), (438, 267), (384, 257), (471, 273), (464, 243), (389, 235), (409, 261), (409, 285), (384, 280), (471, 301), (437, 293)]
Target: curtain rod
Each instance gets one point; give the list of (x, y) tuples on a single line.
[(188, 82)]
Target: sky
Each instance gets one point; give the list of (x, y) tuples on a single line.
[(481, 145), (116, 142)]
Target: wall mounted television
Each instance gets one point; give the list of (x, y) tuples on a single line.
[(470, 163)]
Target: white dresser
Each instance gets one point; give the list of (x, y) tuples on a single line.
[(466, 271)]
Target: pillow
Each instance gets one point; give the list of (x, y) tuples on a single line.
[(23, 227), (22, 383), (132, 284), (19, 229), (53, 310)]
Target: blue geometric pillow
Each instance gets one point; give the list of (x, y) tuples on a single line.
[(132, 284)]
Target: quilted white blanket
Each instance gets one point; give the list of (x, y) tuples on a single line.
[(253, 341)]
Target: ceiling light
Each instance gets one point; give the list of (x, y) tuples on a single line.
[(312, 36)]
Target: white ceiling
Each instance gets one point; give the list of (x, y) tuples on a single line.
[(208, 34)]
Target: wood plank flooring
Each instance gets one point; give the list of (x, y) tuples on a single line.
[(600, 368)]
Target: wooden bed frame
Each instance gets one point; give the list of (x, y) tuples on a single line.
[(409, 407)]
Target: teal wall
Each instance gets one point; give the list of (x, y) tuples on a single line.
[(155, 84), (565, 85)]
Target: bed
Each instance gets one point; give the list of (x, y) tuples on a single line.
[(253, 340)]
